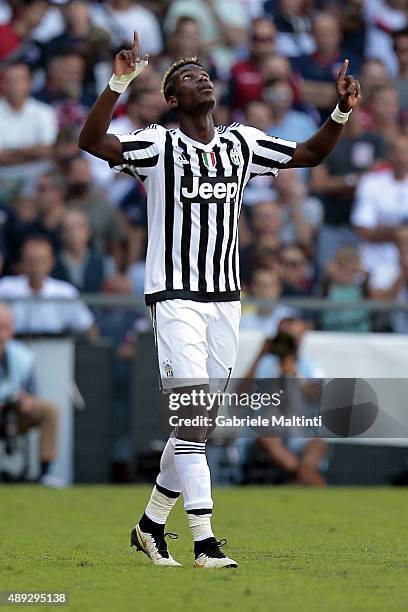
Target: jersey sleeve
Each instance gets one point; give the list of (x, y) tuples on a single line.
[(141, 151), (269, 153)]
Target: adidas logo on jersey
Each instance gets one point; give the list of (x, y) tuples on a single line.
[(180, 156), (208, 189), (181, 159)]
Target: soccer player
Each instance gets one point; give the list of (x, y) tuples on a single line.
[(194, 176)]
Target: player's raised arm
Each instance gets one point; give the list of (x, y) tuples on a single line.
[(93, 137), (313, 151)]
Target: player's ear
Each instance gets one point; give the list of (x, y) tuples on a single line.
[(172, 102)]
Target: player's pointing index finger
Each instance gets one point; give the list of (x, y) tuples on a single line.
[(136, 41), (343, 69)]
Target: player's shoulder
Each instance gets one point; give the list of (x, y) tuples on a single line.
[(153, 132), (156, 127), (246, 131), (223, 129), (238, 128)]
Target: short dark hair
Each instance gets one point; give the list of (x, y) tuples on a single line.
[(167, 86), (37, 239)]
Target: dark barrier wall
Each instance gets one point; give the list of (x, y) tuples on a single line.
[(150, 427), (92, 437)]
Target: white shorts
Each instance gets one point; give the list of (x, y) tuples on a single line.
[(196, 342)]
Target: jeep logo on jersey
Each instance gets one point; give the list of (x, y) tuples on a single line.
[(204, 190)]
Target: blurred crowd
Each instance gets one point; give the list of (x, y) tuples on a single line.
[(69, 225)]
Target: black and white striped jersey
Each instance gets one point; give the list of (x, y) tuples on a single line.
[(194, 196)]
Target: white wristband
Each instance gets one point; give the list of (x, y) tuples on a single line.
[(338, 116), (121, 83)]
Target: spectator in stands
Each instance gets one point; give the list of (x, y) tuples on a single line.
[(265, 285), (34, 316), (265, 226), (283, 356), (18, 392), (28, 128), (398, 290), (383, 17), (320, 68), (223, 24), (401, 81), (300, 214), (384, 112), (353, 25), (286, 123), (186, 41), (77, 263), (258, 114), (296, 273), (267, 363), (82, 194), (37, 215), (120, 17), (80, 36), (374, 76), (246, 80), (346, 281), (259, 188), (275, 67), (294, 27), (143, 107), (381, 207), (336, 179), (65, 91), (21, 221), (50, 199), (133, 215), (16, 40), (265, 220)]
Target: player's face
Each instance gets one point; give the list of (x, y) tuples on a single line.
[(193, 89)]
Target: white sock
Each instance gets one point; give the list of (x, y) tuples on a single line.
[(160, 505), (167, 489), (168, 474), (200, 525), (194, 477)]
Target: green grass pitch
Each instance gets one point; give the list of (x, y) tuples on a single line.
[(336, 549)]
